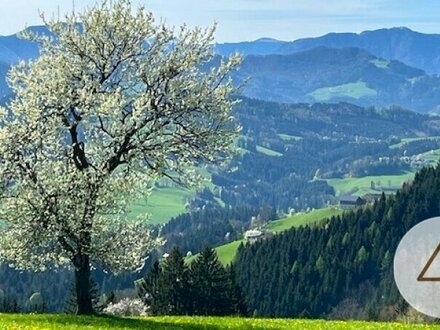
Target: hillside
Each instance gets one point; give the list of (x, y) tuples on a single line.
[(416, 49), (317, 143), (349, 262), (325, 149), (227, 252), (413, 48), (37, 322), (323, 74), (374, 68), (14, 48), (262, 46), (4, 88)]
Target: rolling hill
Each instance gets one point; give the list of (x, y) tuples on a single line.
[(262, 46), (4, 88), (325, 74), (369, 69), (350, 257), (226, 253), (413, 48), (14, 48)]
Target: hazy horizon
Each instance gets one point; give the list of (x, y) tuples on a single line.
[(247, 20)]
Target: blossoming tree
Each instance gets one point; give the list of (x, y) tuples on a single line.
[(113, 102)]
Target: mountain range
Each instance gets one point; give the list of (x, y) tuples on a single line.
[(353, 75), (374, 68), (413, 48)]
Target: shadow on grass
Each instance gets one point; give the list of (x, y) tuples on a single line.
[(113, 322)]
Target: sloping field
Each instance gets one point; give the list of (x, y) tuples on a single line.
[(362, 186), (300, 219), (227, 252), (354, 90), (162, 204)]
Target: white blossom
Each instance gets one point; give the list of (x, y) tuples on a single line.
[(127, 307), (110, 106)]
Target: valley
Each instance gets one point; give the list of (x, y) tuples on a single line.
[(274, 186)]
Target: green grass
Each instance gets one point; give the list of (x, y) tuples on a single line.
[(167, 202), (65, 322), (432, 156), (268, 152), (162, 204), (383, 64), (355, 90), (412, 139), (301, 219), (362, 186), (287, 137), (226, 253)]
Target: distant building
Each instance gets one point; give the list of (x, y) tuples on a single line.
[(253, 235), (349, 202)]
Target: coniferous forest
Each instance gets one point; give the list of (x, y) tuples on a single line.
[(343, 264)]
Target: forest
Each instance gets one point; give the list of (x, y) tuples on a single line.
[(295, 180), (350, 256)]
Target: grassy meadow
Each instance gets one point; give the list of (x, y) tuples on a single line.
[(67, 322), (227, 252), (412, 139), (432, 156), (290, 138), (382, 64), (162, 204), (268, 152), (166, 202), (301, 219), (362, 186), (355, 90)]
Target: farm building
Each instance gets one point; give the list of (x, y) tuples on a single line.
[(348, 201), (253, 235)]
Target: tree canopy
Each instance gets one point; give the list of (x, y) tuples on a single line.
[(114, 102)]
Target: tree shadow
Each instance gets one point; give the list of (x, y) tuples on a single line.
[(113, 322)]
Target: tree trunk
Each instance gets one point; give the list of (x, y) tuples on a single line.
[(82, 285)]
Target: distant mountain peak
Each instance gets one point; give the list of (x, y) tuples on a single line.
[(267, 39), (396, 29)]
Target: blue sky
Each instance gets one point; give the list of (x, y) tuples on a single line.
[(251, 19)]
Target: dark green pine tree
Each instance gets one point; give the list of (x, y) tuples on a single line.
[(173, 287), (149, 289), (236, 296), (211, 285)]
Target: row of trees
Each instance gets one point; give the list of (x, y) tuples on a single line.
[(204, 287)]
